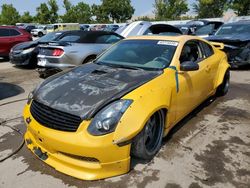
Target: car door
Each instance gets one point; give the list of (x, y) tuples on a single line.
[(212, 62), (193, 85), (5, 41)]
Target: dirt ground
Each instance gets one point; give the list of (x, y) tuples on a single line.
[(209, 148)]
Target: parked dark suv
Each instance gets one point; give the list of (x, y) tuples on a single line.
[(10, 36)]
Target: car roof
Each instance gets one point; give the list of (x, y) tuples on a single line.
[(9, 27), (177, 38)]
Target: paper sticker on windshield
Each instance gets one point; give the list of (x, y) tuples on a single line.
[(169, 43)]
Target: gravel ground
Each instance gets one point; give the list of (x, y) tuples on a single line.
[(209, 148)]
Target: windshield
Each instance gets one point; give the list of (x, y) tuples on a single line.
[(145, 54), (233, 29), (49, 37), (205, 30)]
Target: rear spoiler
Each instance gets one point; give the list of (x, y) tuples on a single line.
[(218, 45)]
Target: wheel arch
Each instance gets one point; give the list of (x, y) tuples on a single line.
[(88, 57), (122, 136), (222, 69)]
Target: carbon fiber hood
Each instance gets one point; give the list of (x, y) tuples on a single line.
[(86, 89)]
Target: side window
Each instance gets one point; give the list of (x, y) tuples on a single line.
[(208, 50), (107, 39), (14, 32), (4, 32), (191, 52)]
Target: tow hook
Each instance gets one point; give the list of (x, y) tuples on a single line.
[(40, 154)]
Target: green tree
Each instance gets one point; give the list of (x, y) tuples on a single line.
[(210, 8), (26, 18), (144, 18), (99, 14), (81, 13), (43, 14), (9, 15), (67, 5), (117, 10), (170, 9), (241, 7), (53, 9)]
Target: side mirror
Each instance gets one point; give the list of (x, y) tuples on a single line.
[(189, 66)]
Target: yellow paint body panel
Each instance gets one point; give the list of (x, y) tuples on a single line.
[(70, 153)]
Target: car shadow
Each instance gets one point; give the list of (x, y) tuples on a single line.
[(9, 90), (176, 128), (24, 67)]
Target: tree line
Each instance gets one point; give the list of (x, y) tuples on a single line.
[(110, 11)]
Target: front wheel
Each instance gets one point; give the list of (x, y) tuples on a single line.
[(224, 87), (148, 142)]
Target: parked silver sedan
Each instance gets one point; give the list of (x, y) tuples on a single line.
[(75, 49)]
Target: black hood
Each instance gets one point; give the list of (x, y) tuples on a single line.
[(244, 37), (86, 89), (25, 45)]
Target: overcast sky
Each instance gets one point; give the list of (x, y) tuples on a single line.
[(142, 7)]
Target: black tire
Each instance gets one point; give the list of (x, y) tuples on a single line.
[(224, 87), (89, 59), (148, 142), (40, 34)]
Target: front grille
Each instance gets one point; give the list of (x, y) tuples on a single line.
[(54, 119), (83, 158)]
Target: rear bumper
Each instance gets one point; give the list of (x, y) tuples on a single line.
[(53, 63), (77, 154)]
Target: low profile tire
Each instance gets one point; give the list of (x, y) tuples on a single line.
[(148, 142), (224, 87)]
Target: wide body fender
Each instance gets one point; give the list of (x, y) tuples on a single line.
[(223, 67), (151, 97)]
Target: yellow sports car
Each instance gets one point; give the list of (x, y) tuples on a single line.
[(89, 122)]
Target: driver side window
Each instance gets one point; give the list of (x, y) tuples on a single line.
[(191, 52)]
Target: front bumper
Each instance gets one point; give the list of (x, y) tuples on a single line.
[(77, 154), (20, 59)]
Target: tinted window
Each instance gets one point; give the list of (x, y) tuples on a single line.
[(4, 32), (50, 37), (14, 32), (208, 50), (233, 29), (71, 38), (191, 52), (108, 39), (205, 30)]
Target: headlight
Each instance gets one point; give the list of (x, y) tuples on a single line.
[(30, 97), (107, 119), (27, 50)]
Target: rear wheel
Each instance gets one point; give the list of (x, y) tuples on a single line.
[(148, 142), (89, 59), (224, 87)]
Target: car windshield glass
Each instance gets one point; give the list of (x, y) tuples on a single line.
[(145, 54), (49, 37), (71, 38), (208, 29), (233, 29), (50, 27)]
